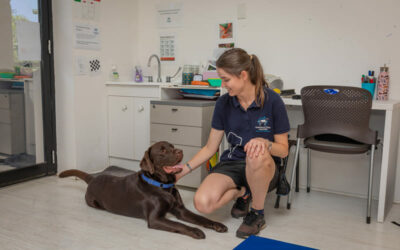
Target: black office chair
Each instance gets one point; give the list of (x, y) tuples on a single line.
[(336, 120)]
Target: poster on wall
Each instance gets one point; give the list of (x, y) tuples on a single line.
[(87, 37), (167, 47), (169, 15), (226, 45), (94, 66), (225, 30), (81, 66), (87, 9)]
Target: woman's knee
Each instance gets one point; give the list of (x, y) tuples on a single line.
[(264, 161), (204, 202)]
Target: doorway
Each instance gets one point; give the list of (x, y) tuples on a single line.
[(27, 100)]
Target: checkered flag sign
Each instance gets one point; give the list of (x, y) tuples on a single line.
[(95, 66)]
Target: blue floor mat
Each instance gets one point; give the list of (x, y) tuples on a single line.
[(260, 243)]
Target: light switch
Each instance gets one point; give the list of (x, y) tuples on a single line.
[(241, 11)]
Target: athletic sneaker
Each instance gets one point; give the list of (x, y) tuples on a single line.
[(252, 224), (241, 207)]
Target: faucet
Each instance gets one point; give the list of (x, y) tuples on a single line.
[(159, 66)]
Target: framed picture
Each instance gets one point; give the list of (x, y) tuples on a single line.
[(226, 30)]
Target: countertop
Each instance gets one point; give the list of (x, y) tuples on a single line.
[(184, 102)]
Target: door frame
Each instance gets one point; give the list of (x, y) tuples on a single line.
[(49, 167)]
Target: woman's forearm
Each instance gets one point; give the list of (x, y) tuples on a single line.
[(279, 150), (202, 156)]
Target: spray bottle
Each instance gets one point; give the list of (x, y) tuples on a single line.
[(383, 84)]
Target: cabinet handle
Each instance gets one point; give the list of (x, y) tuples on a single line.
[(174, 129), (174, 109), (124, 108), (141, 108)]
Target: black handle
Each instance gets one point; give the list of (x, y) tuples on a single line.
[(174, 129), (174, 109)]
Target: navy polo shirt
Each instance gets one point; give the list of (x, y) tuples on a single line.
[(241, 125)]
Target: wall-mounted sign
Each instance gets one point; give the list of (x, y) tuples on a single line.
[(167, 47), (87, 37), (169, 15)]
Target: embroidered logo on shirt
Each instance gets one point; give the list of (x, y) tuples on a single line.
[(263, 125)]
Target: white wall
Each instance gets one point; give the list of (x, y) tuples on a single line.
[(6, 46), (81, 105), (304, 42)]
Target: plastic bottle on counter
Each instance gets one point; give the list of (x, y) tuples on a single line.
[(138, 74), (114, 73), (383, 84), (186, 74)]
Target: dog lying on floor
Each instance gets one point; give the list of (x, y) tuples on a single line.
[(148, 194)]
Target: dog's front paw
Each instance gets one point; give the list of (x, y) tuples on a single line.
[(197, 233), (219, 227)]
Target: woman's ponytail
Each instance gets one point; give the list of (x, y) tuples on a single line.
[(257, 77)]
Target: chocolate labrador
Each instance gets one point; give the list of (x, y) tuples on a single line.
[(148, 194)]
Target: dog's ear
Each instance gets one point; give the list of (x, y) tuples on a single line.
[(146, 164)]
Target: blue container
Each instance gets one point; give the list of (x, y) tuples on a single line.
[(370, 87)]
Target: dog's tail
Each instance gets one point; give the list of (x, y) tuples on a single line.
[(75, 172)]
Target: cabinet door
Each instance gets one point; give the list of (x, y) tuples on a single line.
[(4, 101), (5, 141), (121, 127), (141, 128)]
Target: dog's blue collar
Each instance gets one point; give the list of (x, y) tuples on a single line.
[(156, 183)]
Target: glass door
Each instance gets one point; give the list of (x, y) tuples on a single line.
[(27, 117)]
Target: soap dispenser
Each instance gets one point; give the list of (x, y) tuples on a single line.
[(138, 74), (114, 73)]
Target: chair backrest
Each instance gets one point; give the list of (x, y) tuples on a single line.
[(339, 110)]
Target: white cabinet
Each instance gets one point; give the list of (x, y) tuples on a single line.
[(128, 121)]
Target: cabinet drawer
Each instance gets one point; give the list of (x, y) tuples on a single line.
[(5, 116), (4, 101), (175, 134), (195, 178), (180, 115)]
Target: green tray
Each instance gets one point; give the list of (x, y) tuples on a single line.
[(7, 75), (215, 82)]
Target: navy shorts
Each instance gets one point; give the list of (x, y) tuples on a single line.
[(237, 171)]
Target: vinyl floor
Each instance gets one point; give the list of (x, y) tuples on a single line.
[(50, 213)]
